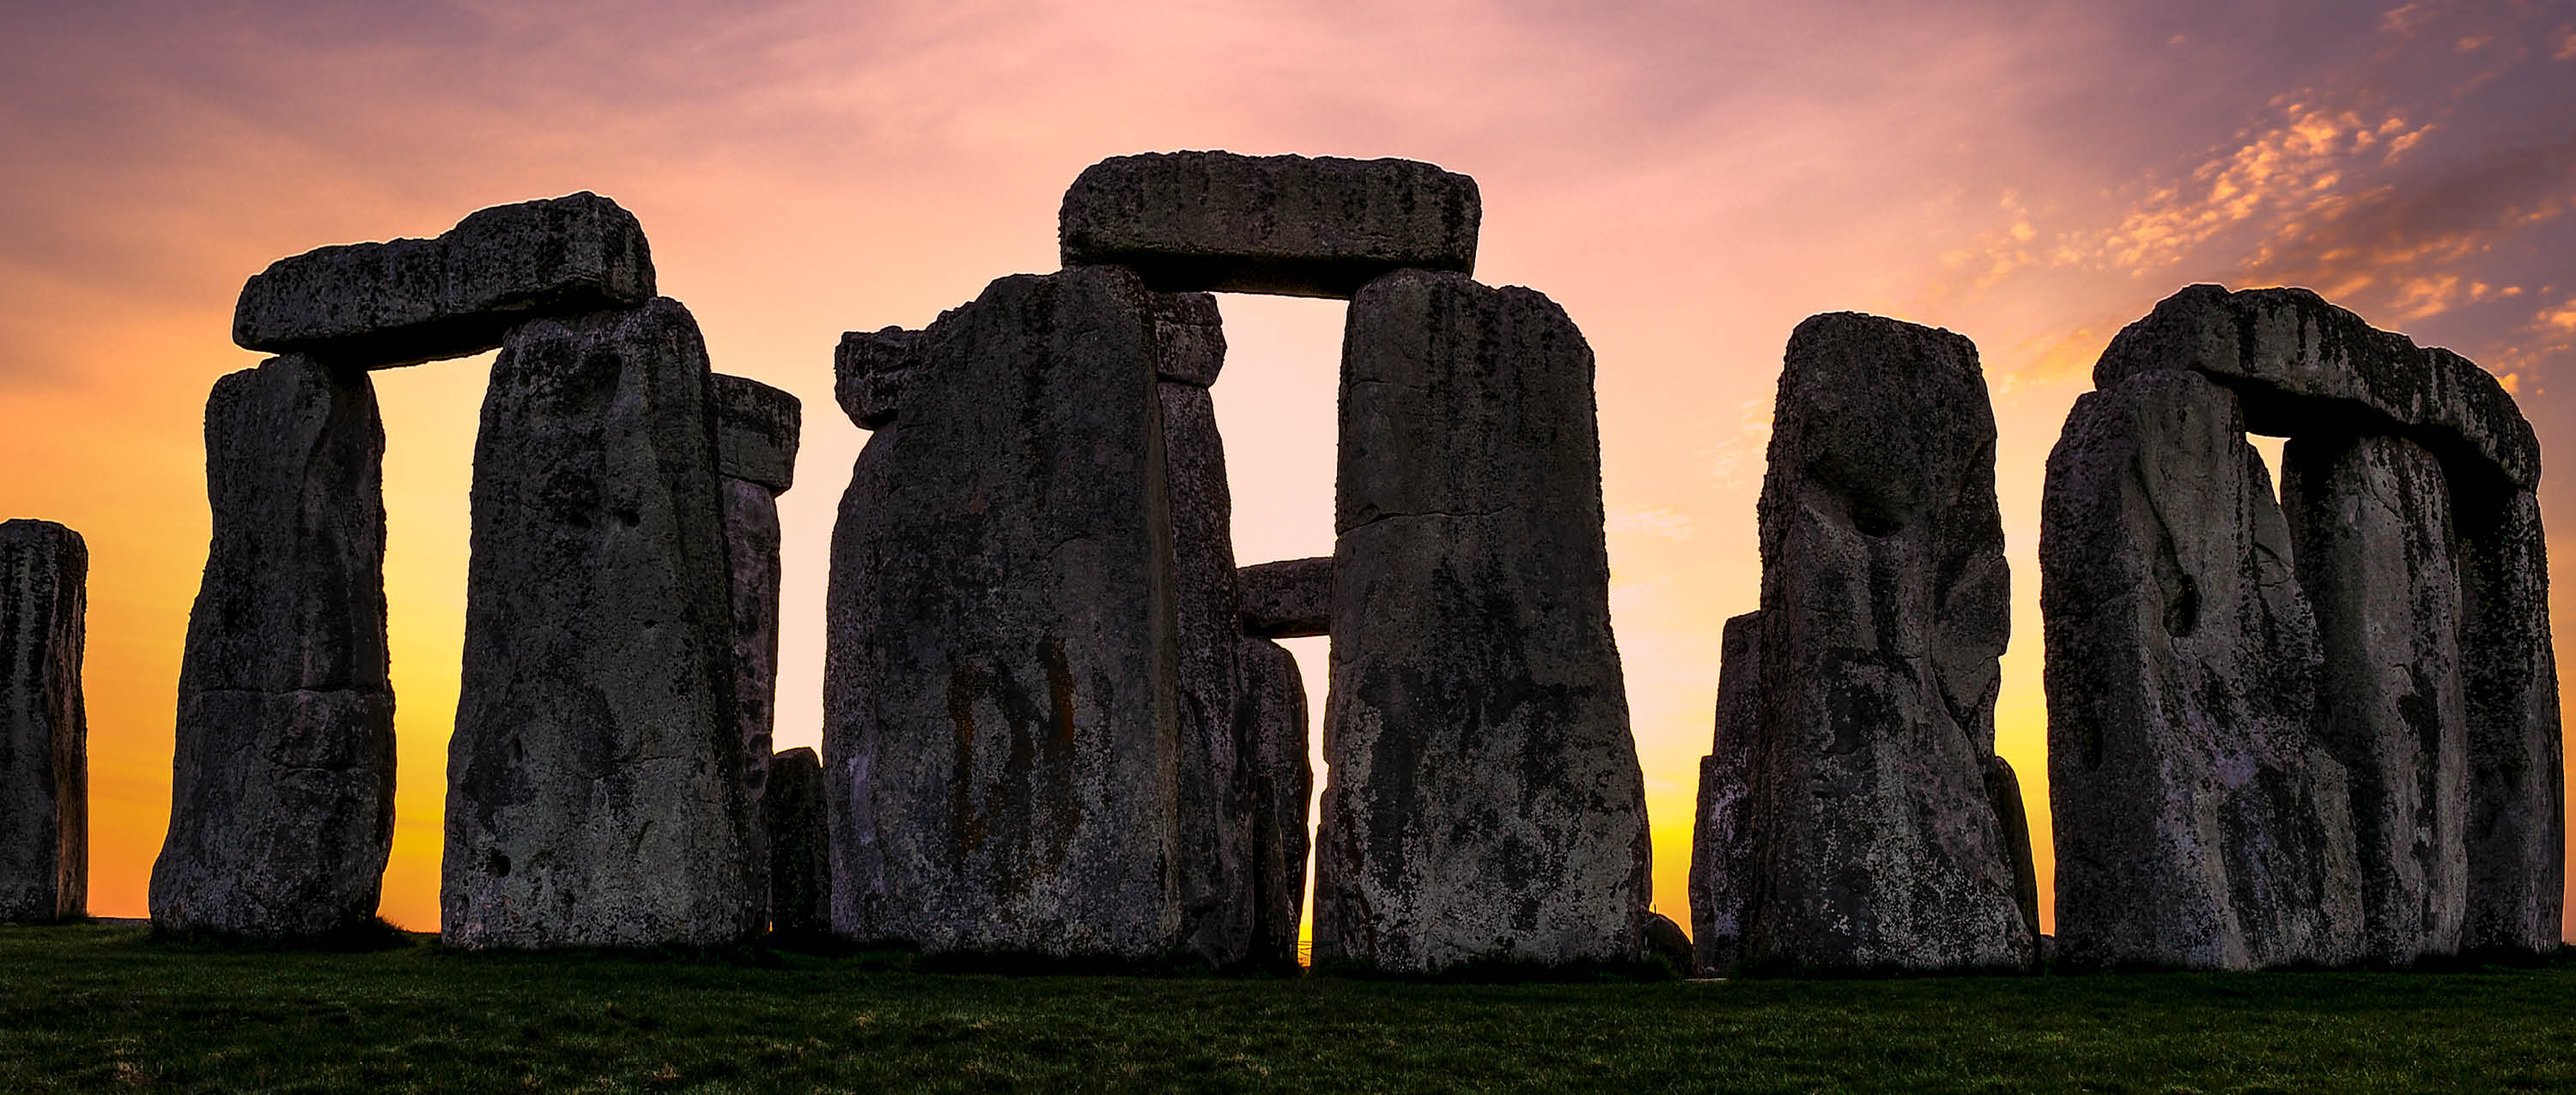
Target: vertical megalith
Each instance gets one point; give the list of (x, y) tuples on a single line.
[(1271, 702), (800, 861), (1885, 610), (281, 810), (44, 730), (595, 790), (1000, 707), (2517, 820), (756, 432), (1721, 848), (2199, 821), (1484, 802), (2370, 525)]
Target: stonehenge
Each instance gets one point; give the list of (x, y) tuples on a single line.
[(756, 435), (1848, 793), (44, 728), (1292, 598)]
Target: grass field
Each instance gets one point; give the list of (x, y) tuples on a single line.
[(102, 1007)]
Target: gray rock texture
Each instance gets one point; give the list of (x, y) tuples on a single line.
[(1271, 702), (2003, 792), (281, 810), (2199, 821), (1293, 225), (1665, 940), (1189, 338), (2517, 828), (756, 430), (2301, 366), (44, 727), (1289, 599), (1484, 801), (756, 433), (1001, 711), (2370, 523), (870, 370), (1885, 609), (595, 777), (800, 858), (376, 305), (1721, 848)]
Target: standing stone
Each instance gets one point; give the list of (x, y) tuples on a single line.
[(1000, 705), (1484, 801), (1289, 599), (595, 792), (2199, 821), (756, 432), (2370, 522), (800, 859), (1297, 225), (44, 730), (282, 810), (1272, 704), (2517, 828), (1885, 610), (1721, 848), (2003, 792)]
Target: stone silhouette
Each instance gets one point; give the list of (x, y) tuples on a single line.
[(281, 811), (1289, 599), (1271, 704), (800, 859), (595, 778), (44, 728), (1721, 847), (1484, 802), (1874, 841), (756, 433)]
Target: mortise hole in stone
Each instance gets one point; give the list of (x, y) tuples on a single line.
[(496, 864)]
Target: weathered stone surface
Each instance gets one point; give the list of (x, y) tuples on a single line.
[(1189, 336), (1885, 609), (44, 727), (281, 811), (2302, 366), (1294, 225), (376, 305), (2370, 522), (752, 566), (870, 371), (1215, 807), (2199, 821), (800, 859), (1721, 849), (1000, 706), (2517, 832), (1271, 703), (756, 431), (1289, 599), (1665, 940), (2003, 792), (595, 777), (1484, 800)]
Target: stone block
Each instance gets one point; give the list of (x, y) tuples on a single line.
[(1289, 599), (870, 371), (800, 858), (1721, 883), (2517, 823), (756, 428), (1271, 701), (44, 727)]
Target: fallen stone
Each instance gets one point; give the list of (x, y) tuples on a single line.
[(2370, 525), (282, 808), (1664, 939), (1885, 610), (2301, 366), (1289, 599), (2200, 823), (1484, 801), (1006, 541), (1293, 225), (44, 728), (1271, 702), (2517, 829), (756, 429), (800, 859), (378, 305), (1215, 818), (1721, 884), (870, 371), (595, 777)]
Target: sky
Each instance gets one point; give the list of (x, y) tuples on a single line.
[(1688, 179)]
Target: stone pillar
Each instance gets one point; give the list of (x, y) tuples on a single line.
[(1271, 702), (1885, 609), (44, 730), (756, 433), (1000, 714), (1721, 847), (2516, 827), (800, 860), (1484, 801), (595, 793), (2370, 520), (282, 810), (2199, 821)]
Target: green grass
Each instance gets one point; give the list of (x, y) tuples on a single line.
[(101, 1007)]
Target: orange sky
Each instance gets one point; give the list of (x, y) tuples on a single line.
[(1689, 180)]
